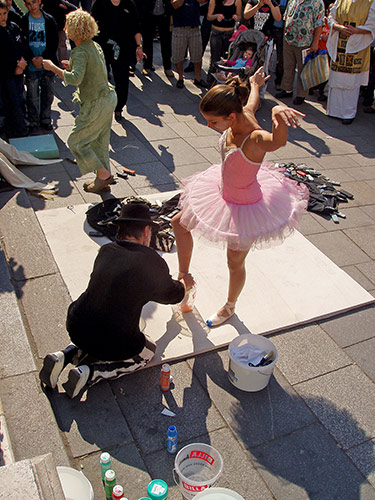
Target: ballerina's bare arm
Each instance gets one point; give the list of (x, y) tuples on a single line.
[(282, 118), (257, 80)]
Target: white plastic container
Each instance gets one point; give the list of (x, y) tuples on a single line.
[(197, 467), (251, 378), (218, 494), (75, 484)]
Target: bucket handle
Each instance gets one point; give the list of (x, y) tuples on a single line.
[(174, 477)]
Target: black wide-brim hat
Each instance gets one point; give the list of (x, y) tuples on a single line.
[(136, 212)]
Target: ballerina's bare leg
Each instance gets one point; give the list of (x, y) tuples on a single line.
[(184, 243)]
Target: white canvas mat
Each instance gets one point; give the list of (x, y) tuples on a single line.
[(287, 285)]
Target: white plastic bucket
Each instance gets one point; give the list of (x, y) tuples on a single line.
[(251, 378), (218, 494), (197, 467), (75, 484)]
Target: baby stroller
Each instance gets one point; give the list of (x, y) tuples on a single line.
[(237, 48)]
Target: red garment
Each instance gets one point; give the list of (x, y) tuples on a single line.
[(324, 36)]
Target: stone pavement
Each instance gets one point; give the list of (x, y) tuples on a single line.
[(309, 435)]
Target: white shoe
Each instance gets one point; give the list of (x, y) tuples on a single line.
[(53, 365), (77, 379), (217, 320)]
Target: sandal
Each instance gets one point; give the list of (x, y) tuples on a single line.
[(217, 320)]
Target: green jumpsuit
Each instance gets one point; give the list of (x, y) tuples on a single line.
[(89, 138)]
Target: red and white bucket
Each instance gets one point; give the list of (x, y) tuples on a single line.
[(197, 466)]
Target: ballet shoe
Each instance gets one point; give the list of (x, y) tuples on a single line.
[(216, 320)]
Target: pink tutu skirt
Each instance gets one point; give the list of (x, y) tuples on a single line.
[(206, 214)]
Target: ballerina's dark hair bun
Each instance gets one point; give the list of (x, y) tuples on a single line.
[(222, 100)]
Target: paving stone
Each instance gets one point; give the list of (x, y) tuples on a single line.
[(150, 174), (238, 472), (363, 354), (210, 154), (45, 301), (340, 174), (364, 458), (362, 173), (176, 152), (162, 188), (306, 353), (339, 248), (16, 358), (187, 170), (203, 142), (364, 194), (364, 237), (254, 417), (128, 465), (308, 465), (31, 423), (337, 161), (369, 210), (344, 403), (199, 127), (355, 217), (26, 248), (133, 152), (195, 414), (57, 201), (84, 433), (368, 269), (350, 328), (363, 160), (310, 225), (183, 130), (359, 277), (302, 149), (152, 133)]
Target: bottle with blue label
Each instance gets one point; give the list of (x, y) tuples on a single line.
[(172, 439)]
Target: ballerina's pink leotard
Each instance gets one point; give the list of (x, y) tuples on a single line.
[(241, 203)]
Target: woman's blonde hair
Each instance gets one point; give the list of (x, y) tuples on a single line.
[(222, 100), (80, 25)]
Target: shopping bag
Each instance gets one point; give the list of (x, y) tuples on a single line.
[(316, 69)]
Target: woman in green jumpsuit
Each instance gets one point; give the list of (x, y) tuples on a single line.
[(89, 138)]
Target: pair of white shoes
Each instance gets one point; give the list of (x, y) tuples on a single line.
[(216, 320)]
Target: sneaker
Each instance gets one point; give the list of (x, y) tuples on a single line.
[(298, 100), (77, 380), (189, 68), (180, 83), (53, 365), (169, 73), (201, 84), (131, 71), (283, 94)]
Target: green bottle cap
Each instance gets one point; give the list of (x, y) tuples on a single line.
[(157, 489), (144, 498)]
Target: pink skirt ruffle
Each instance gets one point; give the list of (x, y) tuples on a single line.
[(206, 214)]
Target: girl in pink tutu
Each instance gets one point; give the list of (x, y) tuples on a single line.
[(242, 202)]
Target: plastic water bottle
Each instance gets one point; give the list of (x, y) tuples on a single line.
[(109, 483), (157, 490), (105, 463), (165, 377), (172, 439)]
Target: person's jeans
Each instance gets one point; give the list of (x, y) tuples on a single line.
[(368, 92), (219, 44), (12, 107), (39, 97)]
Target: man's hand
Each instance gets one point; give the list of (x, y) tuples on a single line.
[(65, 64), (37, 62), (343, 30), (314, 47), (22, 63), (259, 77), (47, 64), (288, 115)]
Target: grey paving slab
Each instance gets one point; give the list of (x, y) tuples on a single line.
[(363, 354), (308, 465), (162, 188), (84, 433), (238, 473), (186, 170), (210, 154), (30, 420), (57, 201), (302, 149), (351, 328), (363, 457), (369, 210), (26, 248), (310, 225), (355, 217), (45, 301), (359, 277), (363, 160), (152, 133), (364, 237), (368, 269), (306, 353), (362, 173), (254, 417), (199, 127), (337, 161), (16, 358), (203, 142), (339, 174), (149, 174), (339, 248), (195, 414), (344, 402), (133, 152), (128, 465), (176, 152), (364, 194), (183, 130)]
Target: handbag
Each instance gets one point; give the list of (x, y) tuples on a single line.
[(316, 69)]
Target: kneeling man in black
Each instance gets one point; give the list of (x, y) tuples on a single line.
[(103, 323)]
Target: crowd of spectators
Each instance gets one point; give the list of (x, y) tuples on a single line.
[(127, 30)]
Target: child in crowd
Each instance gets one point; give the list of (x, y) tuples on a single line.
[(241, 62), (41, 40), (12, 63)]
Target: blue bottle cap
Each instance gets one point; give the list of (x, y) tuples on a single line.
[(157, 489), (172, 431)]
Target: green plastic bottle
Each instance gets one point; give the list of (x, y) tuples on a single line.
[(109, 483), (157, 489)]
